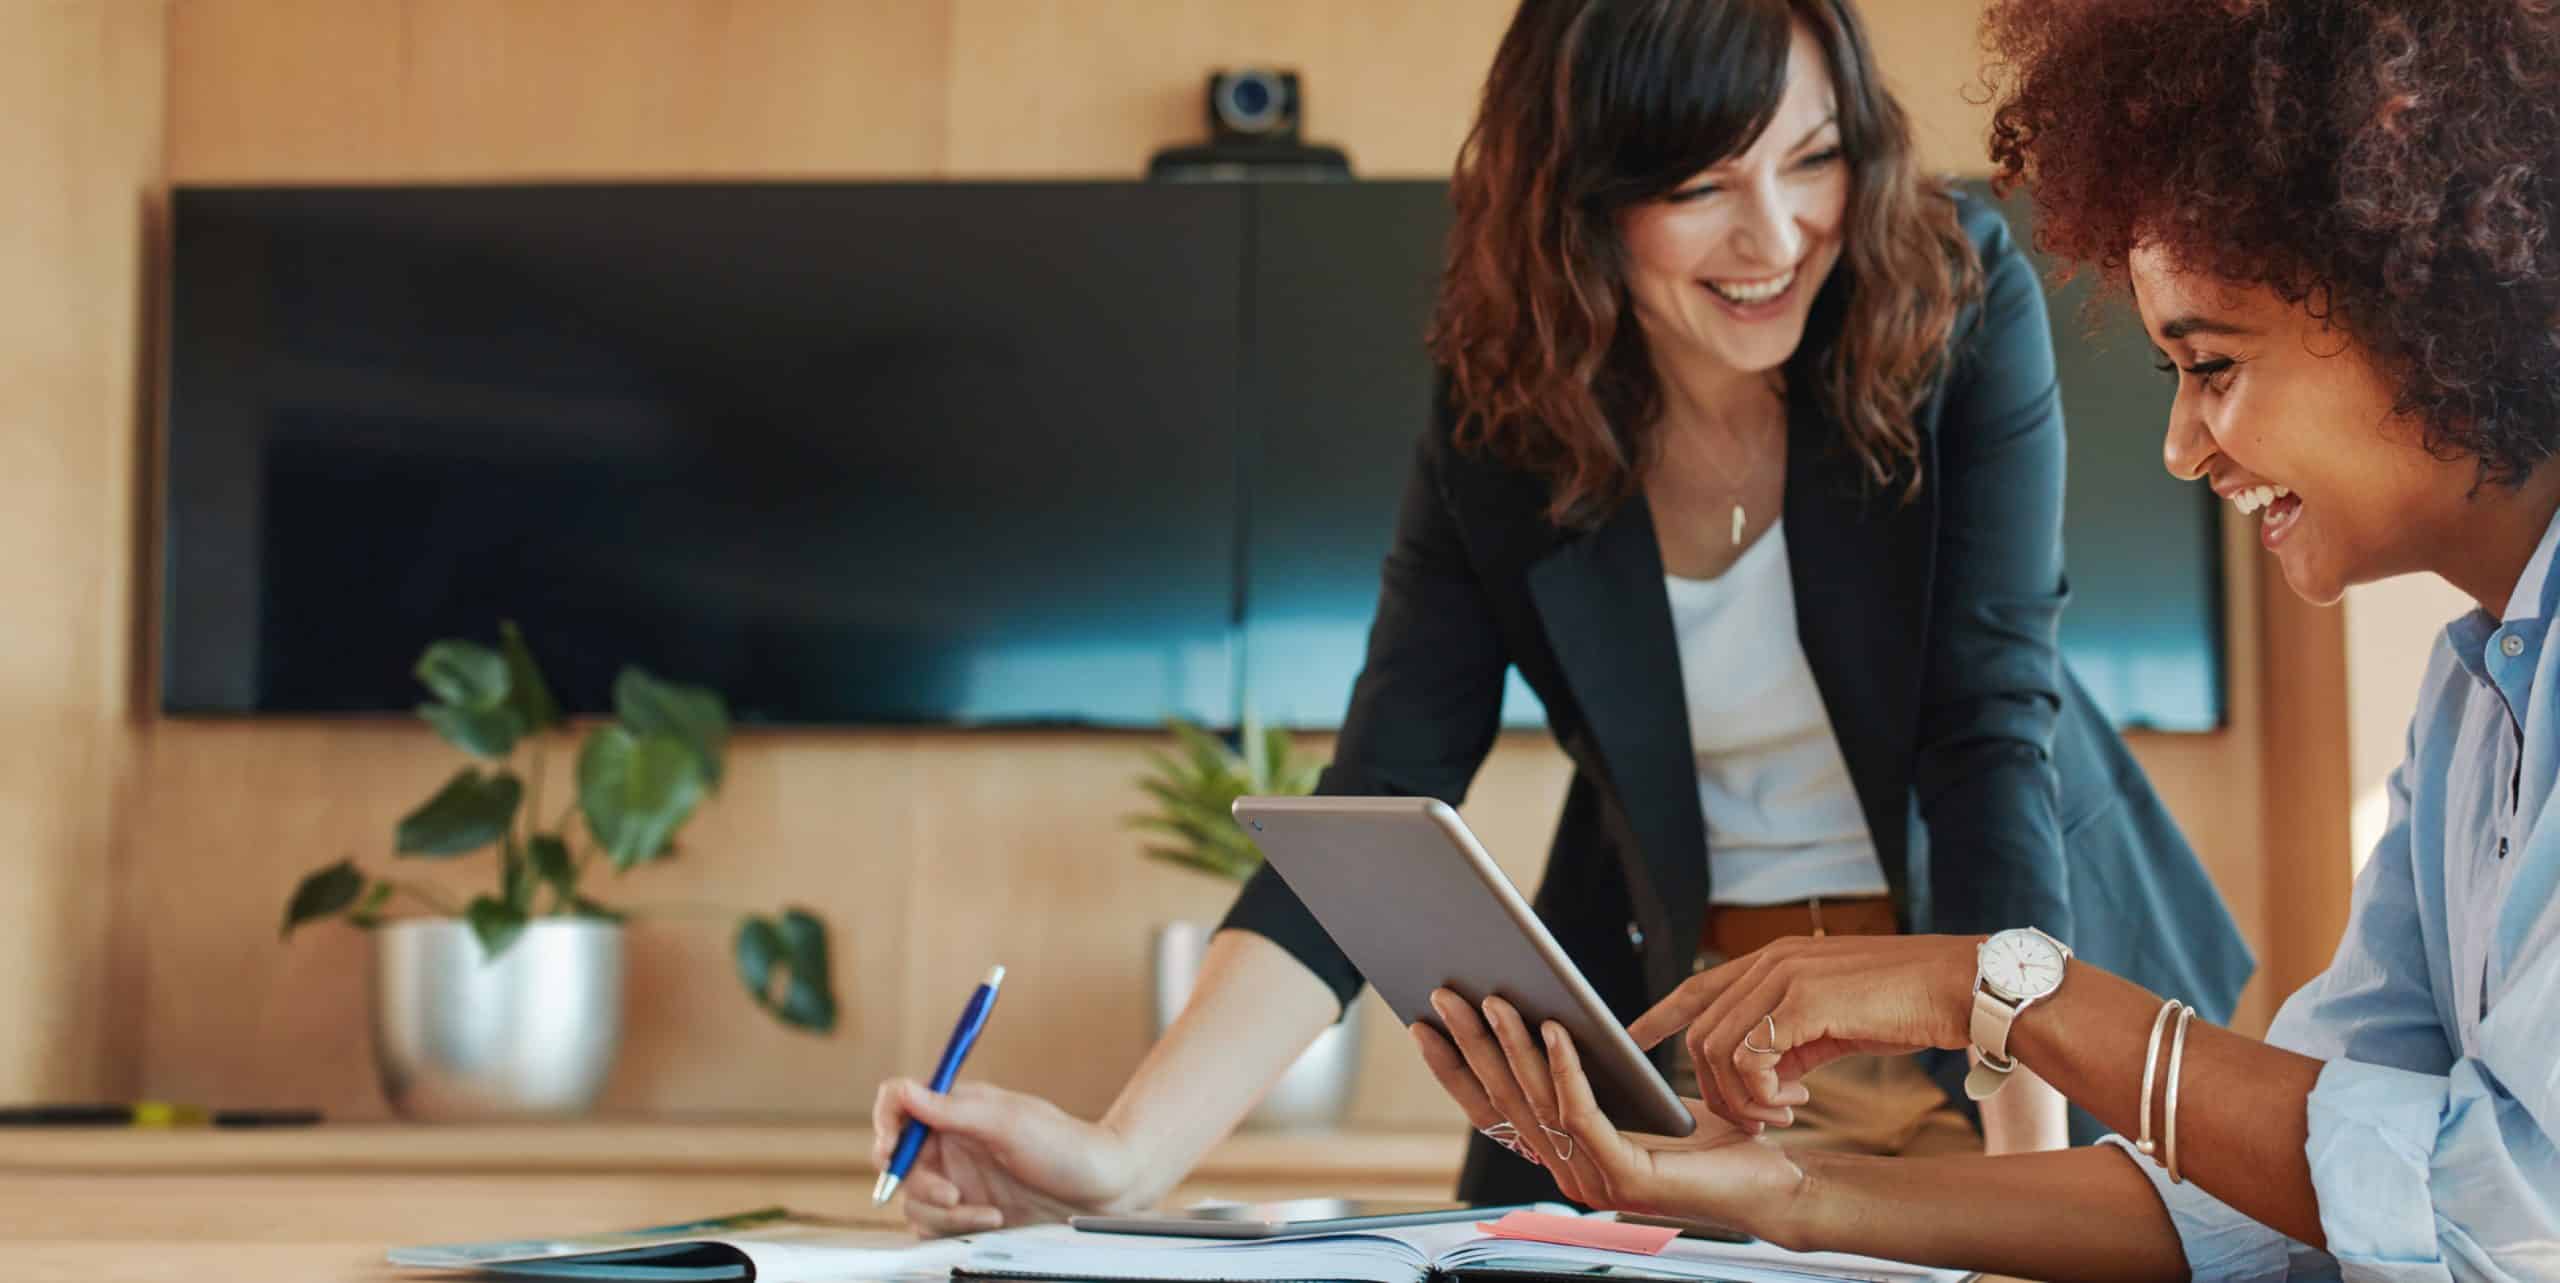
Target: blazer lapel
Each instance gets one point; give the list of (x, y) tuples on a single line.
[(1860, 563), (1608, 619)]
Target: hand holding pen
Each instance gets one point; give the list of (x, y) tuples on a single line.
[(997, 1158), (964, 1036)]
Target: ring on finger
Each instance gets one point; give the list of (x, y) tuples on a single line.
[(1563, 1140), (1770, 1020), (1508, 1137)]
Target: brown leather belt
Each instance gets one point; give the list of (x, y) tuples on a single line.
[(1733, 930)]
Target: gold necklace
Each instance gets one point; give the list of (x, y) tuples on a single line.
[(1741, 518)]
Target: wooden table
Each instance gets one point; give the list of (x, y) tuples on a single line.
[(322, 1203)]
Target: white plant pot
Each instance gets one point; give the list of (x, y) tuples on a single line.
[(1315, 1091), (530, 1035)]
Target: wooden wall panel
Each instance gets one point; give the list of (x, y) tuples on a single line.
[(287, 91), (934, 854), (1094, 86), (80, 87)]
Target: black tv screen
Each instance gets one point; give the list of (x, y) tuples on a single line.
[(847, 454), (978, 454)]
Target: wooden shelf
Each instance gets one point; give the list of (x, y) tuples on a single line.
[(637, 1148)]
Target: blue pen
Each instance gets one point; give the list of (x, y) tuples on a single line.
[(911, 1137)]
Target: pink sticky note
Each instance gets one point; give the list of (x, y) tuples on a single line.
[(1582, 1231)]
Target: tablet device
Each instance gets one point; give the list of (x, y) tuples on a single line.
[(1283, 1219), (1409, 895)]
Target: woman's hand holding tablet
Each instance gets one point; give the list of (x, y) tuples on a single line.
[(1411, 897)]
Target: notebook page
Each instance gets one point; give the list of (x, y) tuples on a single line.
[(1379, 1256), (1692, 1259), (781, 1250)]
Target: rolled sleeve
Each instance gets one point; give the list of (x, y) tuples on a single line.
[(2221, 1244), (2372, 1147)]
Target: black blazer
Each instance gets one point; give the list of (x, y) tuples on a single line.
[(1996, 795)]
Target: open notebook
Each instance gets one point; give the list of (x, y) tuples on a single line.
[(1413, 1254), (771, 1244), (776, 1246)]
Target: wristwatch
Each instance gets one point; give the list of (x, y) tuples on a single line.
[(2011, 971)]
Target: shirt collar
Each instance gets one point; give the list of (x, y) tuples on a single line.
[(2531, 599), (2529, 604)]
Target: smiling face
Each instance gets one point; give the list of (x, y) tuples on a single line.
[(2289, 419), (1722, 271)]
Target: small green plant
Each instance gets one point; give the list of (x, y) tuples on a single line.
[(639, 778), (1193, 823)]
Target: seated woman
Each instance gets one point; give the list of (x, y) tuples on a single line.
[(2338, 222)]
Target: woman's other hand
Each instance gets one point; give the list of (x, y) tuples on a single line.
[(1758, 1024)]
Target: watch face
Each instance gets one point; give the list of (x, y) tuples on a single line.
[(2021, 965)]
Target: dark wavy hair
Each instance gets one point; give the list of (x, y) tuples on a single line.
[(2386, 164), (1594, 106)]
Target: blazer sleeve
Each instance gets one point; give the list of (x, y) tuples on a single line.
[(1424, 710), (1991, 686)]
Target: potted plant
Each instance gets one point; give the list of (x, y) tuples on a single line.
[(510, 1005), (1193, 828)]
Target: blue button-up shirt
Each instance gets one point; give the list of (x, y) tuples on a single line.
[(2433, 1124)]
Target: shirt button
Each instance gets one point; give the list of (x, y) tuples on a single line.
[(2511, 646), (1635, 936)]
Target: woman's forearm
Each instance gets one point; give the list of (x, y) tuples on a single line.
[(2063, 1217), (2243, 1112), (1252, 1010), (2027, 1116)]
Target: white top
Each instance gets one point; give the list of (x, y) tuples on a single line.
[(1783, 821)]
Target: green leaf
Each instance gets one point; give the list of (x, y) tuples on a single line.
[(808, 1005), (527, 694), (636, 791), (368, 911), (515, 878), (470, 812), (759, 946), (796, 945), (464, 674), (1208, 756), (321, 894), (693, 715), (1195, 794), (805, 937), (490, 733), (549, 857), (1300, 781), (586, 908), (496, 923)]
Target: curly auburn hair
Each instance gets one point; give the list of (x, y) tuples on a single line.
[(2383, 163), (1594, 106)]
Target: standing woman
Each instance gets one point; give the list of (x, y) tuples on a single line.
[(2340, 225), (1750, 462)]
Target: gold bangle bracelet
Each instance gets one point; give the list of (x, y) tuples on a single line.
[(2151, 1075), (2177, 1058)]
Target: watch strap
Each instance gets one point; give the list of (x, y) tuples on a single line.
[(1992, 1064)]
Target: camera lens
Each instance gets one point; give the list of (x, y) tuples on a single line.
[(1249, 102)]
